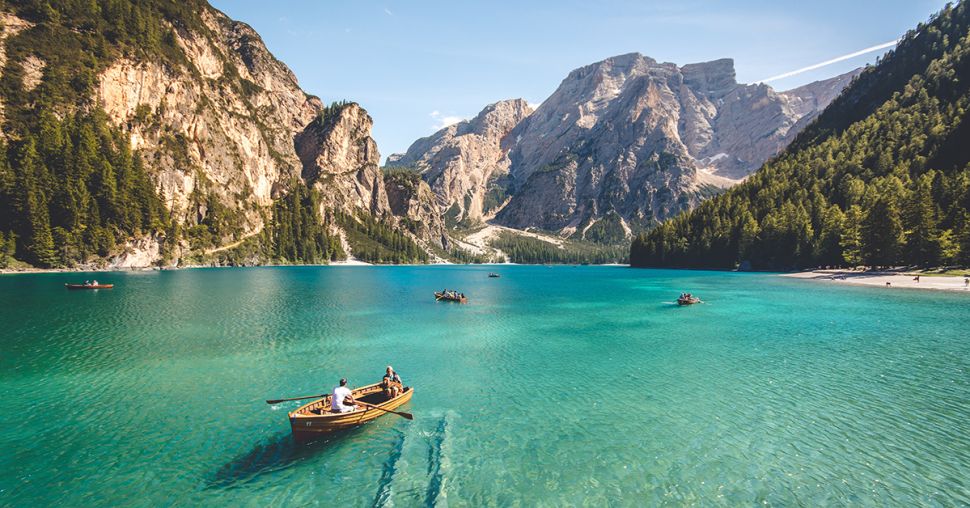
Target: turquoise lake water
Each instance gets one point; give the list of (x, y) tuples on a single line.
[(553, 386)]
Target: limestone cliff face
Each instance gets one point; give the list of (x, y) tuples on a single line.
[(645, 140), (340, 158), (224, 124), (627, 136), (415, 205), (464, 162), (10, 25), (233, 123)]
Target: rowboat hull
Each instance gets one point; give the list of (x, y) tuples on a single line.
[(307, 424), (89, 286), (692, 301)]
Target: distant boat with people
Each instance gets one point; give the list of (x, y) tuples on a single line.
[(493, 275), (89, 285), (687, 299), (451, 296)]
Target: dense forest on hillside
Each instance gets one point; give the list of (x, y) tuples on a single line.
[(70, 186), (71, 189), (526, 250), (881, 178), (375, 241)]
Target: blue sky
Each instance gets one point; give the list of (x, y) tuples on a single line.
[(417, 65)]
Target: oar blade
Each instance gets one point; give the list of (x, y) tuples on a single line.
[(409, 416)]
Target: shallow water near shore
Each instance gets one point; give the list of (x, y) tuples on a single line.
[(552, 386)]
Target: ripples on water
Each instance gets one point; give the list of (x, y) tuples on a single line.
[(552, 386)]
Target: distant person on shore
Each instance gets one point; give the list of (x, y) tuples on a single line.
[(966, 282), (342, 399), (391, 383), (916, 279)]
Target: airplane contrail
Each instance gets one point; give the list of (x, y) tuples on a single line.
[(832, 61)]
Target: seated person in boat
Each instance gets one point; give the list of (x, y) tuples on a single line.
[(342, 399), (391, 383)]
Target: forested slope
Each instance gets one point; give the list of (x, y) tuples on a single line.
[(880, 178)]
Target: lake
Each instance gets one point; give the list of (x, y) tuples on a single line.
[(553, 386)]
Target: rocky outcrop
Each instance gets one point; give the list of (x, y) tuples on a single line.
[(340, 158), (10, 25), (223, 125), (415, 205), (627, 137), (233, 124), (464, 163), (645, 140)]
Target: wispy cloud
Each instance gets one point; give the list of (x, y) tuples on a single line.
[(534, 105), (442, 121), (388, 12), (837, 59)]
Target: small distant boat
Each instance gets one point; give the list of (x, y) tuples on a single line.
[(494, 275), (451, 296), (688, 300), (316, 418), (89, 286)]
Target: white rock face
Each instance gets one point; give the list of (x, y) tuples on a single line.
[(138, 253), (238, 125), (202, 133), (10, 25), (340, 158), (463, 162), (627, 135), (646, 140)]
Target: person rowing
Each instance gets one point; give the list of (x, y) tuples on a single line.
[(342, 399)]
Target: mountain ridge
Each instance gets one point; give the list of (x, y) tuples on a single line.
[(627, 137)]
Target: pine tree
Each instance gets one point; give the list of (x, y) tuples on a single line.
[(39, 241), (922, 236), (882, 232), (851, 238)]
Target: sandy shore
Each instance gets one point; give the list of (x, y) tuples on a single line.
[(895, 280)]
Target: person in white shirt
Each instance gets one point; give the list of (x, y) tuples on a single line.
[(342, 400)]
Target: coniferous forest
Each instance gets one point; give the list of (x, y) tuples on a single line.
[(73, 191), (70, 187), (881, 178)]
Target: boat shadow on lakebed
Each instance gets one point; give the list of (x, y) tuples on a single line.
[(275, 454)]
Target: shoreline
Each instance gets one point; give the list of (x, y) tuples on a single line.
[(880, 279), (345, 263)]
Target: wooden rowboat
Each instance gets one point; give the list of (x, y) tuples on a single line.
[(89, 286), (316, 419), (688, 301), (453, 297)]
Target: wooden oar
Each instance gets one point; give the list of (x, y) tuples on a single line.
[(409, 416), (277, 401)]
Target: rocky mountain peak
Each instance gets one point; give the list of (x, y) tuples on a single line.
[(628, 138), (713, 79), (465, 163), (494, 119)]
